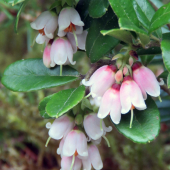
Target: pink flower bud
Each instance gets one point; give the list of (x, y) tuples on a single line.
[(146, 80), (101, 80), (119, 76), (46, 56), (125, 71), (110, 104), (119, 63), (130, 61), (131, 95)]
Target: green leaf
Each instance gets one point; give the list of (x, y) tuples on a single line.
[(149, 51), (42, 106), (18, 15), (64, 100), (82, 8), (124, 9), (31, 74), (161, 17), (125, 24), (14, 2), (165, 46), (97, 8), (146, 59), (121, 35), (146, 123), (164, 75), (55, 4), (98, 45), (168, 80)]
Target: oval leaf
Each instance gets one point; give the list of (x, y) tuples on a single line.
[(146, 59), (161, 17), (165, 44), (149, 51), (97, 8), (64, 100), (31, 74), (146, 123), (98, 45), (121, 35), (42, 106)]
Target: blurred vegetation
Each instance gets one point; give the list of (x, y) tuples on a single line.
[(22, 129)]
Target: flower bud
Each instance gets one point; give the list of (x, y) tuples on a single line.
[(46, 56), (125, 71), (133, 54), (119, 63), (131, 61), (79, 119), (119, 76), (117, 56)]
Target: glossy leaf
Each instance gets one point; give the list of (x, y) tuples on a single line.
[(125, 24), (124, 9), (64, 100), (121, 35), (18, 15), (97, 8), (31, 74), (161, 17), (146, 123), (149, 51), (168, 80), (42, 106), (164, 75), (146, 59), (165, 46), (98, 45), (14, 2)]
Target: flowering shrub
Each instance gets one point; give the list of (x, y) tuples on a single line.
[(118, 83)]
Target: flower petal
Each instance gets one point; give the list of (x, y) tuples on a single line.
[(86, 164), (41, 39)]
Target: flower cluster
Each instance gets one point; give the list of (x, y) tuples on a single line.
[(121, 90), (69, 37), (77, 147)]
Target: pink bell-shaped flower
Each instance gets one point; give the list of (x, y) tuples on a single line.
[(46, 56), (46, 23), (60, 149), (131, 96), (67, 161), (92, 126), (93, 159), (75, 143), (110, 104), (61, 52), (146, 80), (101, 80), (61, 127), (69, 21), (81, 39)]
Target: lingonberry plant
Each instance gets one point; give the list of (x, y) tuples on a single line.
[(120, 37)]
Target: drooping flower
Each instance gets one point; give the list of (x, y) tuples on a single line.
[(110, 104), (101, 80), (60, 149), (67, 161), (75, 143), (131, 96), (69, 21), (92, 126), (46, 24), (93, 159), (46, 56), (61, 52), (81, 39), (61, 127), (146, 80)]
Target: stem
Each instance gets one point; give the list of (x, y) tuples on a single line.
[(61, 70), (107, 141), (155, 38), (101, 127), (48, 140), (131, 119), (72, 162), (75, 36), (87, 95), (159, 97)]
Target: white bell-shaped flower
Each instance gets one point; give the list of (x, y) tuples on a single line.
[(69, 21), (61, 127), (61, 52), (75, 143), (93, 128), (46, 23), (81, 39), (93, 159)]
